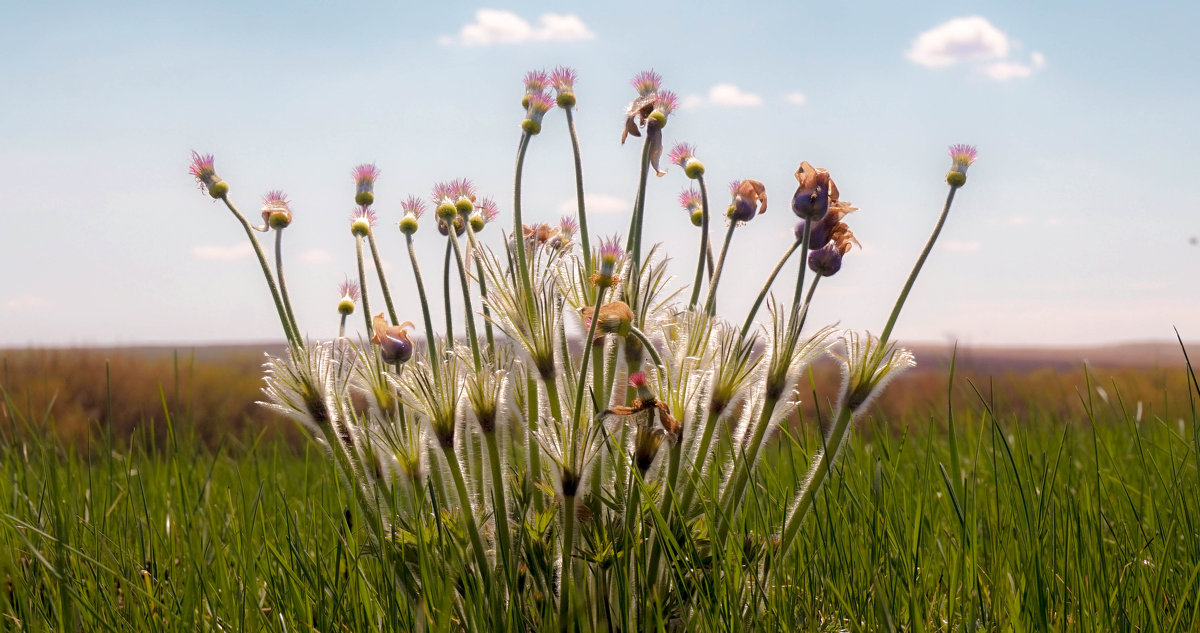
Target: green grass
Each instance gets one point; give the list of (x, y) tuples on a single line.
[(974, 520)]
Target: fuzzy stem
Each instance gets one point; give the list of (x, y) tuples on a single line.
[(634, 241), (292, 336), (587, 352), (464, 498), (487, 321), (912, 277), (283, 293), (342, 327), (812, 289), (568, 549), (500, 506), (446, 295), (362, 283), (710, 304), (804, 240), (817, 473), (706, 436), (518, 228), (383, 285), (434, 361), (705, 249), (641, 336), (533, 406), (737, 485), (466, 291), (583, 227), (762, 294)]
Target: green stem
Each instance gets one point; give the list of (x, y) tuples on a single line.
[(383, 285), (362, 283), (518, 234), (584, 366), (450, 342), (533, 406), (704, 247), (737, 485), (583, 227), (292, 336), (634, 241), (466, 292), (434, 361), (762, 294), (342, 326), (706, 436), (500, 506), (804, 240), (641, 336), (568, 549), (912, 277), (283, 293), (807, 302), (817, 473), (464, 498), (710, 304), (487, 322)]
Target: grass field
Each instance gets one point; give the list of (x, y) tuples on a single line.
[(977, 516)]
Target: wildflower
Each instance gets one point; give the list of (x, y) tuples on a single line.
[(205, 172), (413, 208), (362, 221), (364, 184), (748, 195), (567, 228), (647, 84), (867, 367), (443, 196), (485, 214), (539, 105), (536, 82), (615, 318), (826, 260), (816, 188), (350, 296), (276, 212), (649, 436), (459, 226), (684, 155), (463, 193), (689, 199), (824, 228), (394, 344), (537, 234), (610, 254), (962, 156), (562, 79)]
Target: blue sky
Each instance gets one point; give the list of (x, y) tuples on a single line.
[(1074, 228)]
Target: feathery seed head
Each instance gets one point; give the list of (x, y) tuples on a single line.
[(562, 79), (646, 82), (868, 365), (961, 156), (362, 221), (539, 105), (276, 211), (348, 290), (204, 171), (364, 183)]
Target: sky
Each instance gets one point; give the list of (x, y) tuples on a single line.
[(1077, 226)]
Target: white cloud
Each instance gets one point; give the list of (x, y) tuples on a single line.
[(316, 256), (795, 98), (963, 246), (26, 302), (222, 253), (723, 95), (597, 203), (495, 26), (974, 40), (960, 39)]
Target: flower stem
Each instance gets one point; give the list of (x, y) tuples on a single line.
[(762, 294), (430, 343), (532, 408), (634, 241), (500, 506), (466, 291), (283, 294), (568, 550), (706, 436), (362, 283), (446, 295), (292, 337), (912, 276), (587, 352), (705, 250), (710, 304), (804, 239), (817, 473), (641, 336), (737, 484), (383, 285), (518, 227), (583, 227), (487, 321), (464, 498)]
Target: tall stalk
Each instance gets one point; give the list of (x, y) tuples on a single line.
[(362, 283), (383, 284), (762, 294), (430, 342), (705, 249), (710, 305), (283, 293), (912, 276), (583, 227), (634, 241), (472, 339), (291, 335), (450, 342)]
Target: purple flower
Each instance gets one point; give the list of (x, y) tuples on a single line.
[(815, 189), (749, 196), (364, 183), (825, 261), (394, 344)]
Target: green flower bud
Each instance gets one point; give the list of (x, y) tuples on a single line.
[(657, 118), (697, 217), (447, 211), (408, 225), (464, 205), (956, 179), (279, 220), (364, 198), (346, 306), (531, 127), (565, 100), (477, 223), (360, 227), (693, 169), (218, 189)]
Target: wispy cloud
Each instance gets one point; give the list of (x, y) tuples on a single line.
[(222, 253), (316, 256), (725, 96), (26, 302), (597, 203), (795, 98), (496, 26), (973, 40)]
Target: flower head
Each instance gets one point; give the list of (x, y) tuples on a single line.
[(867, 367), (536, 82), (539, 105), (488, 209), (562, 79), (362, 221), (816, 188), (394, 344), (961, 156), (610, 253), (748, 196), (825, 261), (689, 199), (348, 290), (276, 212), (567, 226), (445, 197), (684, 155), (204, 171), (413, 208), (827, 227), (364, 183), (615, 318), (646, 82)]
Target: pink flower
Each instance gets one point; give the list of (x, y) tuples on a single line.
[(205, 173), (646, 82), (413, 206), (364, 183), (689, 199), (962, 156)]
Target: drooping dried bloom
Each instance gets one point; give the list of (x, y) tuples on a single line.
[(539, 234), (825, 261), (539, 105), (615, 318), (831, 224), (749, 196), (362, 221), (690, 200), (652, 420), (684, 155), (562, 79), (349, 296), (647, 84), (394, 344), (276, 210), (204, 171), (816, 188), (364, 183), (961, 156)]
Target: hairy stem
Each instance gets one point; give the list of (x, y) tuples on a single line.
[(434, 361), (362, 283), (710, 305), (912, 276), (291, 335), (383, 284), (762, 294), (283, 293), (705, 249), (583, 227)]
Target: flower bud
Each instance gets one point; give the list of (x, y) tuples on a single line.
[(276, 212), (697, 217), (205, 173), (825, 261), (962, 157), (408, 225), (364, 184), (811, 200), (218, 189), (394, 344), (748, 196), (615, 318), (350, 295), (362, 221)]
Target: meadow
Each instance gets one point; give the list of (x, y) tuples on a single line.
[(964, 503)]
